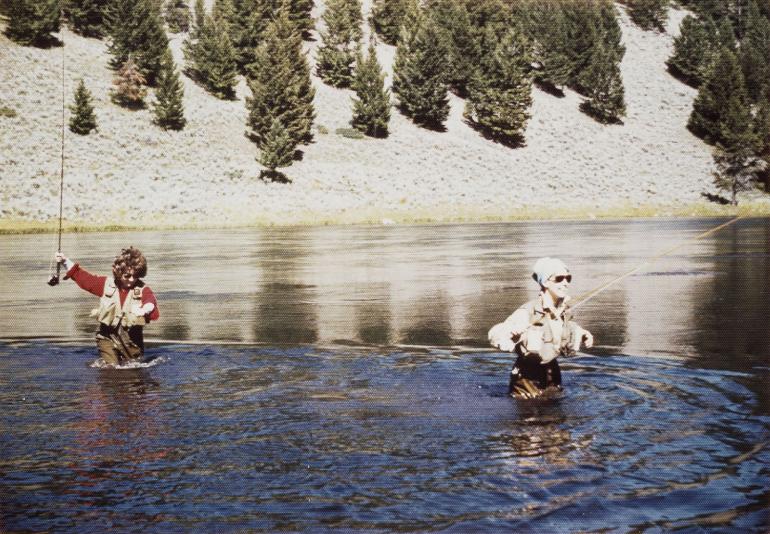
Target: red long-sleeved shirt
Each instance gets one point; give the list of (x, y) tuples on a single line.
[(94, 284)]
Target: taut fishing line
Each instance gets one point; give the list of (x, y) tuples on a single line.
[(585, 297)]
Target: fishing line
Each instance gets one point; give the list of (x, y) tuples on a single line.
[(582, 299)]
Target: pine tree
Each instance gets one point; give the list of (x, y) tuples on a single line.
[(604, 87), (280, 84), (198, 21), (130, 86), (341, 42), (582, 25), (253, 17), (87, 17), (762, 130), (371, 107), (500, 94), (277, 150), (136, 30), (754, 53), (724, 82), (220, 66), (31, 22), (736, 158), (168, 107), (649, 14), (83, 119), (457, 37), (386, 17), (419, 71), (609, 28), (548, 32), (224, 11), (177, 15), (299, 12), (210, 59), (693, 50)]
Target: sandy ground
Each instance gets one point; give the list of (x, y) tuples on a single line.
[(131, 172)]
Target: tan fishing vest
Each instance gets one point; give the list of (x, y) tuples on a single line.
[(112, 314), (541, 336)]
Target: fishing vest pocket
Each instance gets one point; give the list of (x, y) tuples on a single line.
[(532, 339), (538, 339)]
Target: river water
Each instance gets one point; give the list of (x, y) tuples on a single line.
[(316, 379)]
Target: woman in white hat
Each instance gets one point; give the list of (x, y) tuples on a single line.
[(540, 331)]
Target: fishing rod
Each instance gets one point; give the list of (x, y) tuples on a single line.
[(582, 299), (53, 279)]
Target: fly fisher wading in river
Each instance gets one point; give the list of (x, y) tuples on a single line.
[(126, 305), (539, 332)]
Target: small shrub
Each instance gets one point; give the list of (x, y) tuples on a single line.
[(350, 133), (5, 111), (322, 130)]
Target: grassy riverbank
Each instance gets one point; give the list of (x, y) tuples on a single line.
[(382, 216)]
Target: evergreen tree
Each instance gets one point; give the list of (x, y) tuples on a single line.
[(500, 94), (87, 17), (736, 158), (177, 15), (599, 36), (609, 28), (582, 25), (280, 84), (693, 50), (252, 18), (300, 15), (386, 17), (548, 31), (762, 129), (341, 42), (210, 60), (83, 119), (419, 71), (724, 82), (277, 150), (198, 21), (224, 11), (136, 30), (604, 83), (168, 107), (31, 22), (371, 107), (130, 86), (754, 52), (458, 38), (649, 14)]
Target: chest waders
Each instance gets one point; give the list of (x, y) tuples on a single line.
[(119, 338), (537, 369)]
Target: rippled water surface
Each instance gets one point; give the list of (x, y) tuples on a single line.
[(319, 379)]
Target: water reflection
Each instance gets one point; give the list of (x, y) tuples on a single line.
[(435, 285), (116, 439)]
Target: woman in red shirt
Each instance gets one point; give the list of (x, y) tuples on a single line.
[(126, 304)]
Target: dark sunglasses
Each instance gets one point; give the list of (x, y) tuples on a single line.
[(561, 278)]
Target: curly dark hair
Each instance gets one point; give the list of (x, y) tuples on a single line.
[(130, 259)]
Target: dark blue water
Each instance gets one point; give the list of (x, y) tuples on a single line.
[(363, 397)]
